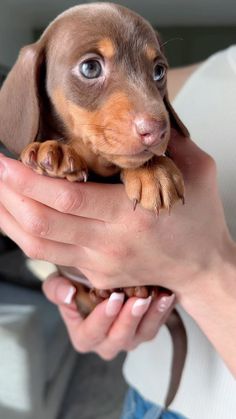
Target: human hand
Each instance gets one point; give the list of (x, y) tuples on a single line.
[(104, 238), (112, 326)]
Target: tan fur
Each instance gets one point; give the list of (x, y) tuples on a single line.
[(106, 48), (96, 131), (151, 52)]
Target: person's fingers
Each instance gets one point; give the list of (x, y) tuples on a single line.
[(88, 200), (122, 333), (59, 290), (42, 249), (85, 335), (111, 327), (138, 321), (155, 317), (94, 329), (88, 260), (41, 221)]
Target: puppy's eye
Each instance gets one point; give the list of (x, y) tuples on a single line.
[(90, 69), (159, 72)]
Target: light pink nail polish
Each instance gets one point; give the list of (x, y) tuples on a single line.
[(165, 302), (141, 306), (114, 303), (65, 293)]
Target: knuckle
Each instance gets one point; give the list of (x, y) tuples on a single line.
[(23, 186), (119, 341), (118, 252), (68, 201), (147, 336), (33, 250), (35, 224), (79, 347), (87, 341), (131, 346), (211, 164), (107, 356), (81, 344), (207, 164)]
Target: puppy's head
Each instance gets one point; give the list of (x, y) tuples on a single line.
[(98, 76)]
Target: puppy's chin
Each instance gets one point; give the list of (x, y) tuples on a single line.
[(161, 148), (131, 162)]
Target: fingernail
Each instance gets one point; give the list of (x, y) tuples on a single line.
[(165, 302), (114, 303), (140, 306), (65, 293)]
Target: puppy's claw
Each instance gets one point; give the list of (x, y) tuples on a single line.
[(135, 201), (32, 160), (85, 176), (72, 164), (157, 210), (48, 162), (183, 200)]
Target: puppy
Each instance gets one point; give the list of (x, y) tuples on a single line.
[(90, 97)]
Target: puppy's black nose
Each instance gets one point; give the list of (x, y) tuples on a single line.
[(150, 131)]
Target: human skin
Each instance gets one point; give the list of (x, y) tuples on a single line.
[(190, 251)]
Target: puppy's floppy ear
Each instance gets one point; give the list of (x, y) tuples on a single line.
[(19, 100), (175, 121)]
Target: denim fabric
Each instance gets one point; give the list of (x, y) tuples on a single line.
[(135, 407)]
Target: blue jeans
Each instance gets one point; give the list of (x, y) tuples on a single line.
[(135, 407)]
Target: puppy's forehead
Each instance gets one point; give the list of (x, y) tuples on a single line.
[(110, 27)]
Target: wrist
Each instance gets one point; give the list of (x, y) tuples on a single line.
[(217, 278), (211, 302)]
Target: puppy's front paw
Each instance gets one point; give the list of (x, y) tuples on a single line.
[(87, 299), (158, 184), (55, 159)]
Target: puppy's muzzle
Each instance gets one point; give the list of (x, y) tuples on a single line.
[(150, 131)]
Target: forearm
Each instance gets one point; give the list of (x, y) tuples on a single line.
[(212, 304)]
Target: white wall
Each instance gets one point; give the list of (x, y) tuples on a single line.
[(15, 32)]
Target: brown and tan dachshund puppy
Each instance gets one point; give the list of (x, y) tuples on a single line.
[(90, 97)]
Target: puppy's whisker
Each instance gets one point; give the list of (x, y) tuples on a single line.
[(170, 40)]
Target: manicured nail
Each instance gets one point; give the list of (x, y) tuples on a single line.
[(114, 303), (65, 293), (165, 302), (141, 306)]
